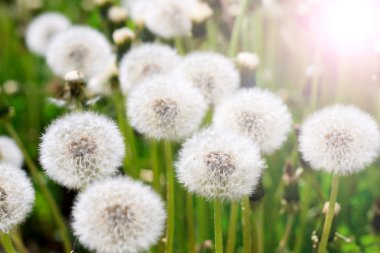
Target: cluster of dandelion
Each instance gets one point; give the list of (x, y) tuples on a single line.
[(202, 101)]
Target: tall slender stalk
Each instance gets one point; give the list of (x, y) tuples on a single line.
[(286, 235), (329, 216), (232, 227), (169, 196), (7, 243), (17, 240), (190, 222), (236, 29), (246, 210), (155, 165), (42, 185), (259, 226), (218, 226)]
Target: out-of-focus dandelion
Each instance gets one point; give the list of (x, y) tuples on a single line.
[(80, 148), (102, 84), (42, 30), (118, 215), (9, 152), (247, 63)]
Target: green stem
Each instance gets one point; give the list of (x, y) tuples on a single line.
[(259, 225), (169, 196), (218, 226), (17, 240), (286, 235), (232, 227), (329, 216), (236, 29), (190, 222), (246, 210), (155, 165), (7, 243), (44, 188)]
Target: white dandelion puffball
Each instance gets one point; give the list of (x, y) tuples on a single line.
[(118, 215), (214, 74), (146, 61), (166, 108), (10, 152), (42, 29), (79, 48), (222, 164), (258, 114), (168, 19), (16, 197), (138, 9), (80, 147), (339, 139)]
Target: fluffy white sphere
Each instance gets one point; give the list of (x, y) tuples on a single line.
[(166, 108), (118, 215), (339, 139), (138, 9), (10, 152), (146, 61), (214, 74), (81, 147), (79, 48), (42, 29), (258, 114), (220, 164), (16, 196)]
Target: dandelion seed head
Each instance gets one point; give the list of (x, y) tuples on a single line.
[(166, 108), (339, 139), (200, 12), (16, 197), (248, 60), (146, 61), (79, 48), (117, 14), (138, 9), (118, 215), (101, 83), (80, 148), (258, 114), (217, 163), (122, 35), (9, 152), (42, 29), (213, 74)]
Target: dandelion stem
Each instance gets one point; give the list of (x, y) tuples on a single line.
[(259, 224), (7, 243), (246, 210), (218, 226), (286, 235), (190, 222), (232, 227), (236, 29), (42, 185), (330, 215), (17, 240), (169, 197), (155, 165)]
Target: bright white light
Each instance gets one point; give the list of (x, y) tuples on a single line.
[(349, 24)]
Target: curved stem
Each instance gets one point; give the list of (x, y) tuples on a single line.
[(190, 222), (218, 226), (42, 185), (7, 243), (286, 235), (232, 227), (246, 209), (236, 29), (329, 216), (169, 197), (17, 240)]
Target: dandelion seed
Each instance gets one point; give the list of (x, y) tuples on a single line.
[(166, 108), (9, 152), (118, 215), (16, 196), (258, 114), (80, 148), (219, 164), (339, 139)]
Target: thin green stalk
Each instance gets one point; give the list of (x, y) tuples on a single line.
[(236, 29), (259, 227), (286, 235), (45, 190), (190, 222), (218, 226), (155, 165), (169, 197), (329, 216), (202, 219), (232, 227), (7, 243), (246, 210), (17, 240)]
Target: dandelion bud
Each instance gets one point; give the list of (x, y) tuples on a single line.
[(117, 15), (219, 164), (16, 197), (199, 15), (118, 215), (80, 148), (74, 76), (258, 114), (123, 38), (326, 208), (248, 63), (10, 153), (339, 139), (166, 108), (43, 29)]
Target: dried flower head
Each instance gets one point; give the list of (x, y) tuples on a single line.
[(248, 60), (213, 74), (16, 196), (258, 114), (42, 29), (200, 12), (117, 14), (118, 215), (79, 48), (81, 147), (9, 152), (339, 139), (122, 35), (146, 61), (219, 164), (166, 108)]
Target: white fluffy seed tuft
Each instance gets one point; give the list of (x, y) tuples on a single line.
[(9, 152)]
